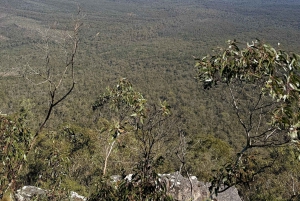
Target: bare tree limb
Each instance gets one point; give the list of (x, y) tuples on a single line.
[(54, 87)]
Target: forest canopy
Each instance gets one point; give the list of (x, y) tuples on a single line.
[(246, 123)]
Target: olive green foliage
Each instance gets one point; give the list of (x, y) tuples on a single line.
[(151, 44), (122, 108), (138, 187), (268, 79), (124, 97), (15, 139), (268, 187), (278, 70), (64, 160), (206, 154), (148, 127), (125, 112), (68, 152)]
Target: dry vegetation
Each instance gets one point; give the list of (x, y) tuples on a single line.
[(152, 44)]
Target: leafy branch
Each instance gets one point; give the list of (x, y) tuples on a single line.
[(264, 86)]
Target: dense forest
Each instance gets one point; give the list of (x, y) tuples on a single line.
[(153, 44)]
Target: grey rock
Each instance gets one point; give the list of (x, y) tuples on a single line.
[(186, 189), (27, 192), (179, 187), (189, 189), (183, 189), (76, 197), (230, 194)]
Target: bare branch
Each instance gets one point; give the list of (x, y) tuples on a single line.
[(239, 116), (259, 122), (53, 87), (108, 152)]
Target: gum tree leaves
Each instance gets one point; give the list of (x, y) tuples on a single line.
[(259, 62)]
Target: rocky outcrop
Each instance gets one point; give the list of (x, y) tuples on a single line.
[(28, 193), (230, 194), (181, 189), (76, 197)]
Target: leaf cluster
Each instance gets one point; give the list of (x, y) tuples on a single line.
[(278, 71)]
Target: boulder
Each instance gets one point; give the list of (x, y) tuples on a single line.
[(27, 193), (186, 189), (183, 189), (179, 187), (76, 197)]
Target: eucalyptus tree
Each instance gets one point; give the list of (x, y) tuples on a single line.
[(128, 123), (262, 86)]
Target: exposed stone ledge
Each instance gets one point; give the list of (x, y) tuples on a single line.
[(27, 193), (181, 189)]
